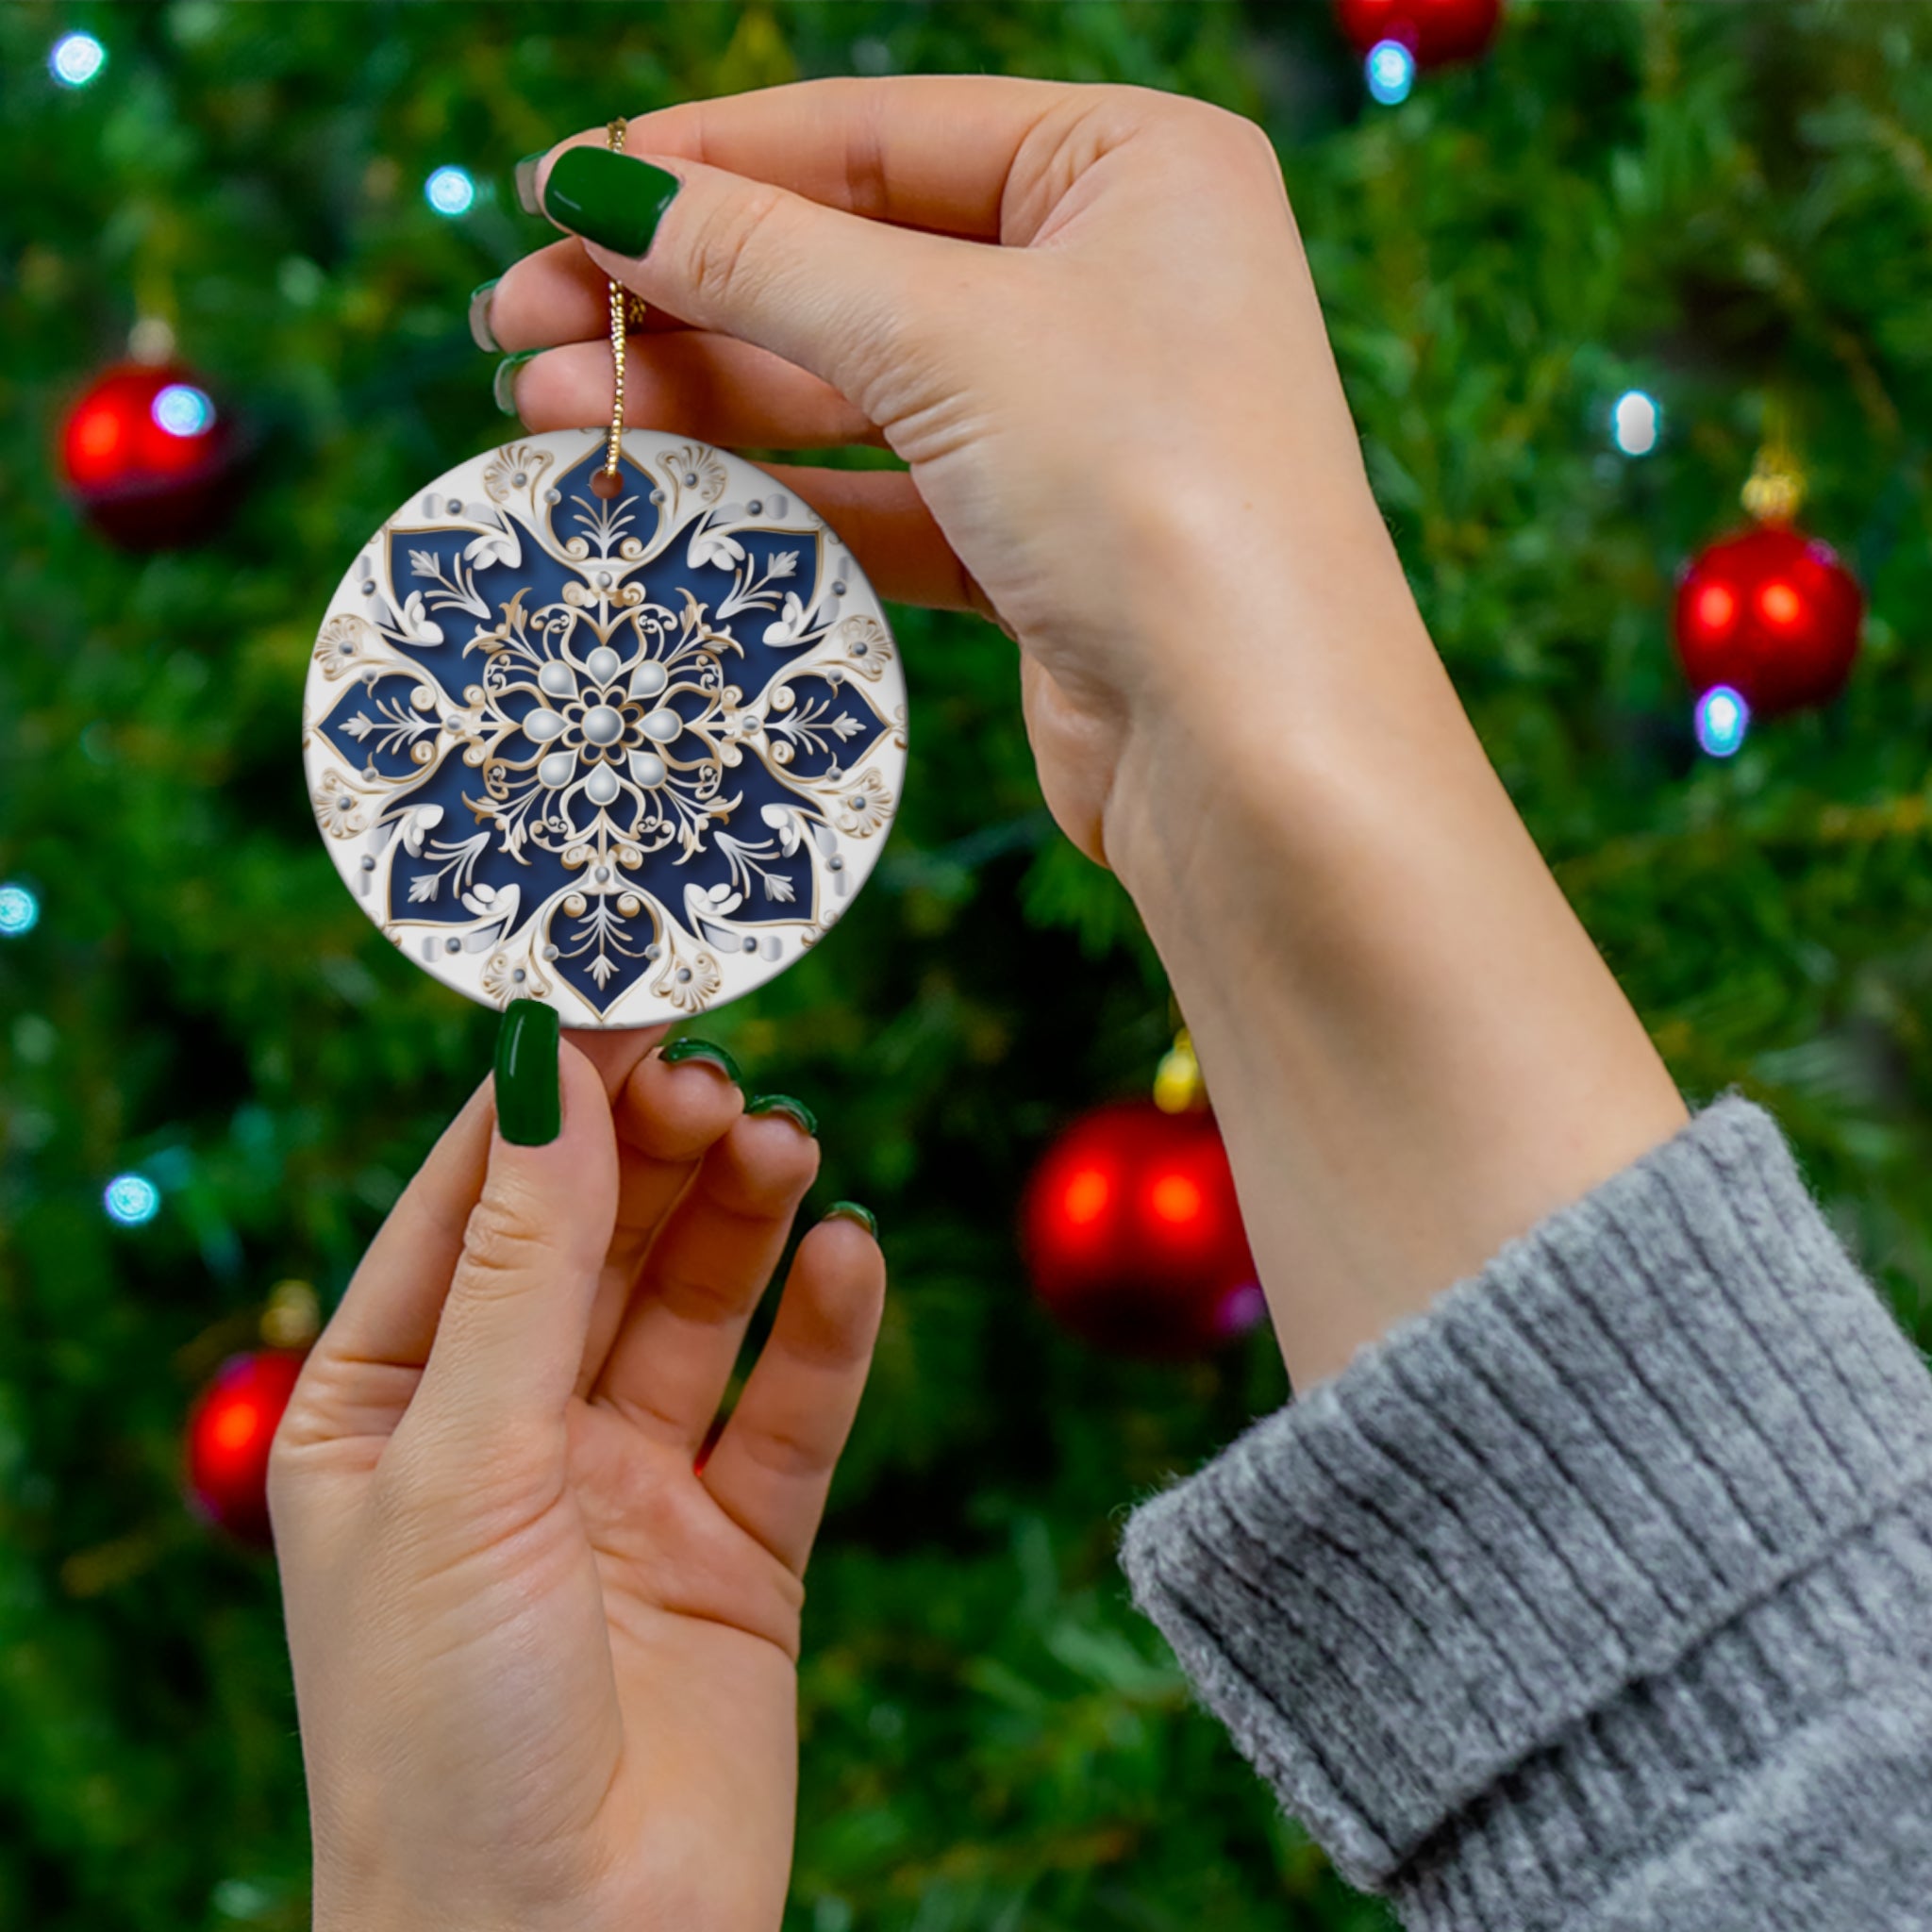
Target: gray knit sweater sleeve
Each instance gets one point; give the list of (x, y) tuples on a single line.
[(1599, 1596)]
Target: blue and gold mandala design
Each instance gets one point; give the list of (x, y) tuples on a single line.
[(630, 755)]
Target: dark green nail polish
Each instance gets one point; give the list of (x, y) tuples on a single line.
[(609, 198), (480, 331), (851, 1210), (795, 1111), (712, 1055), (525, 178), (503, 385), (529, 1098)]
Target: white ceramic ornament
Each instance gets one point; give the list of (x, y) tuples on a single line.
[(631, 754)]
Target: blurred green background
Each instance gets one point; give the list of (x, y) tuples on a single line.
[(1722, 204)]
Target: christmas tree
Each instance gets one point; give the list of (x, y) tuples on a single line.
[(1718, 212)]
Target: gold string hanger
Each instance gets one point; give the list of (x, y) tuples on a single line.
[(627, 312)]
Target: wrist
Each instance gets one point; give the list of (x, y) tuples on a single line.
[(1268, 698), (1413, 1048)]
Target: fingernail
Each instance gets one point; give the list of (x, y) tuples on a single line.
[(712, 1055), (526, 183), (529, 1098), (503, 386), (800, 1115), (851, 1210), (609, 198), (480, 331)]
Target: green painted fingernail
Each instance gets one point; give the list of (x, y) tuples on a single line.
[(851, 1210), (504, 384), (704, 1050), (525, 177), (609, 198), (529, 1097), (794, 1110), (480, 331)]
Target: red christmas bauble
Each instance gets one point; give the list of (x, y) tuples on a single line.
[(1435, 31), (230, 1431), (149, 457), (1133, 1236), (1774, 614)]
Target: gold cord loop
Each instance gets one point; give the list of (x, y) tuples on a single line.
[(626, 311)]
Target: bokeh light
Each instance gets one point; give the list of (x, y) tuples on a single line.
[(450, 192), (1175, 1199), (1636, 423), (20, 911), (1723, 719), (132, 1199), (76, 59), (1716, 605), (182, 409), (1390, 72), (1087, 1194)]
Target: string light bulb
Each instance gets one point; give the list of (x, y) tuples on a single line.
[(131, 1200), (19, 910), (76, 59), (1636, 423), (1722, 718), (450, 192), (1390, 71)]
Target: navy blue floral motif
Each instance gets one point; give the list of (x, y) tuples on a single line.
[(609, 742)]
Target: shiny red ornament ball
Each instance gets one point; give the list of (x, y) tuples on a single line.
[(1435, 31), (149, 457), (230, 1431), (1774, 614), (1133, 1236)]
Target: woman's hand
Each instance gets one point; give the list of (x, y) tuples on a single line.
[(1083, 317), (1126, 398), (545, 1665)]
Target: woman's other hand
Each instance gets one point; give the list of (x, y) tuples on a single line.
[(544, 1660)]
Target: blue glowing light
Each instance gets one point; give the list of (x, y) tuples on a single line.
[(1636, 423), (1390, 72), (450, 192), (182, 409), (132, 1199), (76, 59), (20, 911), (1723, 719)]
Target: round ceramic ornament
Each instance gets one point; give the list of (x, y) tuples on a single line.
[(626, 750)]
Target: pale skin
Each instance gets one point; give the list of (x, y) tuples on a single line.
[(546, 1669)]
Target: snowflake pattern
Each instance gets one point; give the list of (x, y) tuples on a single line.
[(632, 756)]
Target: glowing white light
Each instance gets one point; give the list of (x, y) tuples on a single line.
[(182, 409), (20, 911), (1723, 719), (1636, 423), (132, 1199), (76, 59), (1391, 71), (450, 192)]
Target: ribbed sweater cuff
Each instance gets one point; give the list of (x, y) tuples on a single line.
[(1513, 1547)]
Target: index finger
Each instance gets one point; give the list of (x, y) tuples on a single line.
[(920, 151)]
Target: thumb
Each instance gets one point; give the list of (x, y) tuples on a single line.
[(841, 296), (511, 1340)]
